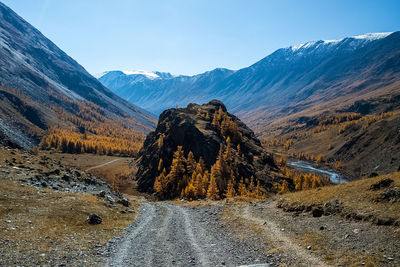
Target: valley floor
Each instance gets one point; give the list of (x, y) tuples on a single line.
[(44, 205)]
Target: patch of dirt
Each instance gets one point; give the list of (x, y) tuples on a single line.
[(299, 239), (167, 234)]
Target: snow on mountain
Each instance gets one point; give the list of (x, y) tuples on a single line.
[(363, 37), (148, 74), (309, 73)]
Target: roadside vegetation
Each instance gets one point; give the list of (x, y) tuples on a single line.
[(359, 200)]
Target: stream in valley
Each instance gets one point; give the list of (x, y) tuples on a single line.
[(305, 166)]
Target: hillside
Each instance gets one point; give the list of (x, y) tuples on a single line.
[(192, 146), (39, 82), (309, 78), (363, 139)]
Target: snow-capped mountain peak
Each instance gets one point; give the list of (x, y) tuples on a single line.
[(137, 74), (148, 74), (365, 37)]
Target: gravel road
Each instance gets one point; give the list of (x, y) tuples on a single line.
[(166, 234)]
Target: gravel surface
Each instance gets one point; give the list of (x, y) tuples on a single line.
[(166, 234)]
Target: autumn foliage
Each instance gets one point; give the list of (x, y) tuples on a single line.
[(301, 181), (92, 132), (191, 180)]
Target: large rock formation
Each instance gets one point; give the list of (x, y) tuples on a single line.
[(193, 128)]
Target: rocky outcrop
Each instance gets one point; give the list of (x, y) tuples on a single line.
[(193, 129)]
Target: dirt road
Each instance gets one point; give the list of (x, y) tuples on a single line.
[(102, 165), (173, 235)]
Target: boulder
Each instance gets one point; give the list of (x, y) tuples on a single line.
[(317, 211), (333, 207), (94, 219), (384, 183), (389, 195), (66, 178)]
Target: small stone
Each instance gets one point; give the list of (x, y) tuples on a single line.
[(309, 247), (102, 193), (321, 228), (110, 198), (356, 231), (124, 202)]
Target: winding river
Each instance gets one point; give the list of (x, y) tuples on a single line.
[(305, 166)]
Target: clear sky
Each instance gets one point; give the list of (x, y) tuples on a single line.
[(190, 37)]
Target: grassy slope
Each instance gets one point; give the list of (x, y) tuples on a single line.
[(40, 226), (355, 196), (364, 148)]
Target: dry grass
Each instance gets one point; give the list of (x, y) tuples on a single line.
[(338, 257), (356, 197), (119, 173), (83, 161), (38, 226)]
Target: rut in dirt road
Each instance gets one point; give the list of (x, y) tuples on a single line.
[(102, 165), (171, 235)]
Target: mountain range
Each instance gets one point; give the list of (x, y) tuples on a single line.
[(304, 79), (38, 80)]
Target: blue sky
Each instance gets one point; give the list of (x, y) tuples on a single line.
[(190, 37)]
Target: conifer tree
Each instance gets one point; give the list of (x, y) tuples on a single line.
[(212, 191), (259, 194), (190, 163), (177, 172), (197, 182), (160, 184), (230, 190), (252, 188), (205, 183), (242, 188), (160, 165), (216, 173), (284, 188)]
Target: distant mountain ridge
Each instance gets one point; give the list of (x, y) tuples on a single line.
[(161, 90), (34, 71), (289, 80)]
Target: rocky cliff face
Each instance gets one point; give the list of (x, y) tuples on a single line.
[(198, 129)]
